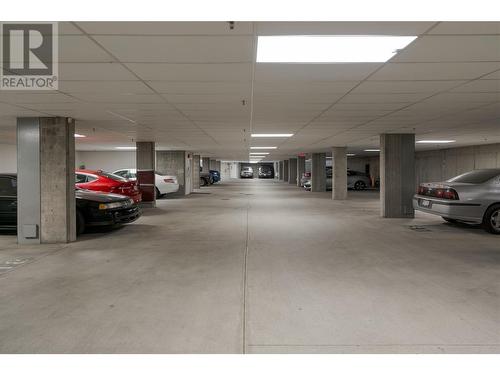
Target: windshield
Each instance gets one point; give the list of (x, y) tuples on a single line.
[(113, 176), (477, 176)]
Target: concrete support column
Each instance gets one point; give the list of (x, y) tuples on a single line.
[(292, 171), (177, 163), (218, 166), (318, 172), (301, 168), (206, 164), (285, 170), (46, 211), (145, 163), (213, 164), (397, 175), (339, 173), (280, 177), (196, 171)]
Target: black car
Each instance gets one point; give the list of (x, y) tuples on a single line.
[(266, 171), (92, 208)]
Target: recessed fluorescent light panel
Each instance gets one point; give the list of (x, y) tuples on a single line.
[(80, 136), (329, 48), (125, 147), (276, 135), (259, 153), (372, 150), (436, 141), (351, 154), (263, 147)]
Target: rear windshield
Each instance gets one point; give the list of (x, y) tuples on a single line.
[(478, 176), (113, 176)]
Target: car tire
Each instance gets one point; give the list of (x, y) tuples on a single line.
[(491, 219), (449, 220), (359, 185), (203, 182), (80, 223)]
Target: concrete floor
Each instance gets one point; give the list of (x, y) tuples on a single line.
[(321, 277)]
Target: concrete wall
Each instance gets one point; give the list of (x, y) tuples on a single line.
[(8, 158), (106, 160), (443, 164)]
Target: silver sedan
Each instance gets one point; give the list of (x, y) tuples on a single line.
[(472, 197)]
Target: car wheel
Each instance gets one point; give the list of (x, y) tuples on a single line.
[(203, 182), (80, 223), (449, 220), (359, 185), (491, 219)]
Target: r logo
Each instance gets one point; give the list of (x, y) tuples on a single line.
[(29, 56)]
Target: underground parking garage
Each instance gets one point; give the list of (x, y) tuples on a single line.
[(186, 188)]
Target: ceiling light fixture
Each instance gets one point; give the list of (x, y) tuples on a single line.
[(372, 150), (274, 135), (263, 147), (126, 148), (80, 136), (436, 141), (259, 153), (329, 48), (351, 154)]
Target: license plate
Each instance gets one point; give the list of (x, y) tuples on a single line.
[(425, 203)]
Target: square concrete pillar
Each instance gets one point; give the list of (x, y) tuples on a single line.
[(280, 171), (46, 211), (285, 170), (339, 173), (301, 168), (206, 164), (176, 163), (292, 171), (218, 165), (196, 171), (145, 155), (213, 164), (318, 172), (397, 175)]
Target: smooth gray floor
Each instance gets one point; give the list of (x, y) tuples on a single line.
[(321, 277)]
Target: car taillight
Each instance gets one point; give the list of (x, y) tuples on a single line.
[(169, 180), (450, 194), (441, 192)]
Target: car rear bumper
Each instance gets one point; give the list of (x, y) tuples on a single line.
[(168, 188), (461, 211), (113, 217)]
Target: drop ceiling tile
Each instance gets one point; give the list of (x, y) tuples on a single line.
[(313, 72), (342, 28), (434, 71), (193, 72), (94, 72), (457, 28), (452, 48), (415, 89), (179, 49), (166, 28)]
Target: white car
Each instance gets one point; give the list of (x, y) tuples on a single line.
[(164, 184)]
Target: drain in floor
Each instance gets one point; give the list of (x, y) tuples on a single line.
[(419, 228)]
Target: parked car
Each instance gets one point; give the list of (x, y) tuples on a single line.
[(355, 180), (306, 176), (8, 201), (92, 208), (472, 197), (107, 183), (164, 184), (246, 172), (266, 171), (206, 179), (215, 176)]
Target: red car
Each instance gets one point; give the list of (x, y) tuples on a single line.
[(107, 182)]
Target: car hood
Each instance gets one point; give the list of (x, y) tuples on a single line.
[(100, 197)]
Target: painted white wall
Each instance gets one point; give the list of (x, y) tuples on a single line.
[(8, 158), (106, 160)]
